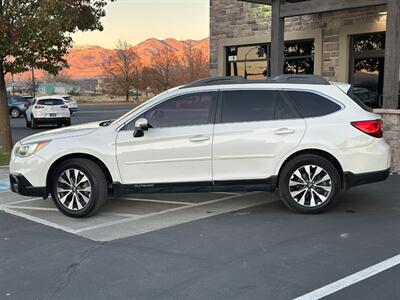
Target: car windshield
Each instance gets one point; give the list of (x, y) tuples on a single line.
[(16, 99), (51, 102), (357, 100), (138, 107)]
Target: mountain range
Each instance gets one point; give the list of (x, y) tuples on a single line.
[(85, 60)]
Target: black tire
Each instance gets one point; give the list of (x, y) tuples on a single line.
[(28, 124), (98, 186), (316, 199), (68, 123), (15, 113), (34, 123)]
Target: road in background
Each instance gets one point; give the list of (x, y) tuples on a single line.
[(86, 114)]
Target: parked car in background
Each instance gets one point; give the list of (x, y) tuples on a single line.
[(29, 99), (48, 110), (299, 134), (17, 106), (71, 103)]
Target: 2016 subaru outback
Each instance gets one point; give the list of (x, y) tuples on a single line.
[(300, 134)]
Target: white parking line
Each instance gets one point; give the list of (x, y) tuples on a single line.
[(158, 213), (31, 208), (20, 201), (352, 279), (155, 201), (37, 220)]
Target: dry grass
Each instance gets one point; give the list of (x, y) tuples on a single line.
[(4, 158), (106, 100)]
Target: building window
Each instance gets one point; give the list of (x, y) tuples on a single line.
[(367, 61), (252, 61), (299, 57)]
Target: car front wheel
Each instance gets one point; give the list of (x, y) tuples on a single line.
[(79, 188), (15, 113), (309, 184)]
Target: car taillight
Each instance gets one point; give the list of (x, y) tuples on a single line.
[(39, 106), (372, 127), (64, 106)]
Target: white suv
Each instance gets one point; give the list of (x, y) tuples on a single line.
[(48, 110), (71, 103), (300, 134)]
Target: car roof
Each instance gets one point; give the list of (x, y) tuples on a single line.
[(49, 97)]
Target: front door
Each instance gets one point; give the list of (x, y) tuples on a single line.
[(177, 148), (255, 130)]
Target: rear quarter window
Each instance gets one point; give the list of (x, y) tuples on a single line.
[(312, 105), (50, 102)]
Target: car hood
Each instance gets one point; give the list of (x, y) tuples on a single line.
[(67, 132)]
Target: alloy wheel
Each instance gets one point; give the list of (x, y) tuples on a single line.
[(310, 186), (73, 189), (15, 113)]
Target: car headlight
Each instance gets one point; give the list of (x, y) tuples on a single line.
[(25, 150)]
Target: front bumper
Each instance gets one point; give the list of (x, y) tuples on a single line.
[(351, 180), (20, 185)]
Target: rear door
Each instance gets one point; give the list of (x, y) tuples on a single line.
[(255, 129)]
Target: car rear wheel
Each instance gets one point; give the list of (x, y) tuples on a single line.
[(28, 123), (15, 113), (79, 188), (34, 123), (309, 184)]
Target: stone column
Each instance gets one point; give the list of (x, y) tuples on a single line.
[(277, 39), (392, 56)]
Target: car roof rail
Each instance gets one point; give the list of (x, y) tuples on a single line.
[(215, 81), (290, 79), (299, 79)]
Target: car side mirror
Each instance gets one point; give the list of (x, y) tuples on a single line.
[(141, 125)]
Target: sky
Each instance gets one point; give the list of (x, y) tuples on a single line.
[(137, 20)]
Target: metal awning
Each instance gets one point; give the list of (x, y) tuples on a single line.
[(290, 8)]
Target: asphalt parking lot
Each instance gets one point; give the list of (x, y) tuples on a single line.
[(200, 246), (86, 113), (203, 246)]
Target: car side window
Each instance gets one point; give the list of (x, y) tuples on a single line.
[(248, 106), (311, 104), (186, 110), (284, 111)]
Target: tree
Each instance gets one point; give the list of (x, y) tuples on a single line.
[(36, 35), (122, 70), (194, 64), (63, 76), (164, 70)]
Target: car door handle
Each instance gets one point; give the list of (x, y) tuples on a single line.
[(199, 138), (283, 131)]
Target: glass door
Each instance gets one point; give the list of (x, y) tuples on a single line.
[(367, 67)]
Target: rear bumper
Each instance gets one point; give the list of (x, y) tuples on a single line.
[(51, 120), (20, 185), (351, 180)]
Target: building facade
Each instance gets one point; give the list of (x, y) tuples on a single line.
[(343, 45), (346, 45)]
